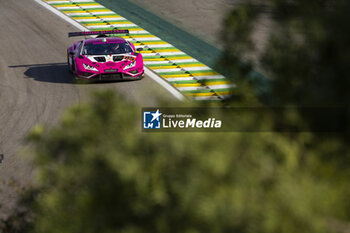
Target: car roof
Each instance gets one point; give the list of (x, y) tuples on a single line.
[(105, 40)]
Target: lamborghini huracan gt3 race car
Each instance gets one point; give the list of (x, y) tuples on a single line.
[(104, 58)]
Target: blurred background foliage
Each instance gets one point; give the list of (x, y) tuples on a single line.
[(304, 53), (96, 171)]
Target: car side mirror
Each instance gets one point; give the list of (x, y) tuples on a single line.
[(139, 49)]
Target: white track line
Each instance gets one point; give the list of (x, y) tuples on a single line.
[(155, 46), (220, 86), (170, 88), (213, 87), (210, 77), (53, 2), (170, 61), (162, 54), (173, 79), (98, 20), (112, 25), (180, 79), (197, 88), (143, 39), (198, 68), (89, 13), (131, 32)]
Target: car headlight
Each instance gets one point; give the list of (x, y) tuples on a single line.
[(132, 64), (88, 67)]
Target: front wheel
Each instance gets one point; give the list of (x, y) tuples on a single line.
[(74, 78), (141, 76), (68, 64)]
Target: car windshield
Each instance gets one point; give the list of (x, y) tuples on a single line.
[(106, 48)]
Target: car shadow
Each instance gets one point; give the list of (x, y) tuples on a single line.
[(50, 72), (56, 73)]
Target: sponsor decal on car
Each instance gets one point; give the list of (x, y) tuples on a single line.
[(111, 70)]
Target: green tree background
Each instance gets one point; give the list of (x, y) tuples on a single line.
[(306, 54), (96, 171)]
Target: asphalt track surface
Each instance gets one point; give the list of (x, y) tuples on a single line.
[(35, 86)]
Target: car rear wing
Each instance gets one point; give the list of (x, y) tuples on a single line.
[(90, 33)]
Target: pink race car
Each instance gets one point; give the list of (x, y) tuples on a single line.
[(104, 58)]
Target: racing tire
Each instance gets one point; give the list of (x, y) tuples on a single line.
[(69, 68), (141, 77), (74, 78)]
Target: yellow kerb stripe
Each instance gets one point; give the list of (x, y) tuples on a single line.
[(163, 67), (93, 17), (154, 59), (72, 5), (160, 51), (98, 10), (200, 94), (192, 65), (135, 29), (150, 43), (136, 36), (188, 85), (168, 58), (209, 93), (199, 84), (176, 66), (188, 75)]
